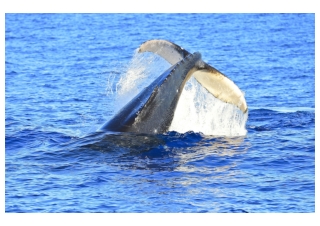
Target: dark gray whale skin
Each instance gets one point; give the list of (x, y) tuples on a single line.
[(152, 110)]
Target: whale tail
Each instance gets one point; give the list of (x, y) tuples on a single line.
[(218, 84)]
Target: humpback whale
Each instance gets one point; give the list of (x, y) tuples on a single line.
[(152, 110)]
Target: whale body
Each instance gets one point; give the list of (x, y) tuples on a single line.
[(152, 110)]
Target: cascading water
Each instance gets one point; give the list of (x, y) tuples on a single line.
[(197, 109)]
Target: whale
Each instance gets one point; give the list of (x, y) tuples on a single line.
[(152, 110)]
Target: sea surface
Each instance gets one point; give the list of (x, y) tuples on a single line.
[(67, 74)]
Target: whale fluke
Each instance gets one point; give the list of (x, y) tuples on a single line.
[(218, 84), (152, 110)]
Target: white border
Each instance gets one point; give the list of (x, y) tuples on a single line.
[(144, 6)]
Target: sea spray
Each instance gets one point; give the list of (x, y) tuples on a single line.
[(143, 69)]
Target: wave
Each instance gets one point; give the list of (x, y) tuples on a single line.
[(283, 109), (278, 118), (169, 151)]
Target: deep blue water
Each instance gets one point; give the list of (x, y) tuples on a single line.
[(57, 74)]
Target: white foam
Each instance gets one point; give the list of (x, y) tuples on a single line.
[(197, 109), (283, 109)]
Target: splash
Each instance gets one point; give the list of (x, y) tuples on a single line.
[(200, 111), (197, 109), (142, 70)]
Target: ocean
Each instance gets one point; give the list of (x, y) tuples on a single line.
[(67, 74)]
